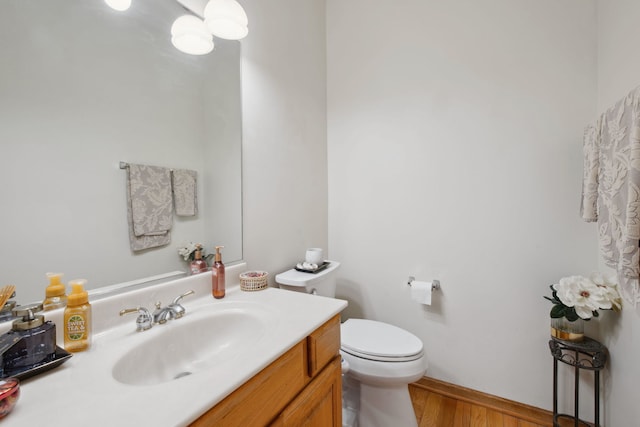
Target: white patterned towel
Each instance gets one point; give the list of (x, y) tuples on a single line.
[(150, 208), (617, 209), (185, 192), (591, 148)]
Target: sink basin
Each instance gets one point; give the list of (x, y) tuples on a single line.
[(196, 342)]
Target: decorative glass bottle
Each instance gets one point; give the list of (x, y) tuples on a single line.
[(217, 275), (198, 265), (31, 341)]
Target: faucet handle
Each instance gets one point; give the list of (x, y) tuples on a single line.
[(186, 294), (144, 320), (177, 308)]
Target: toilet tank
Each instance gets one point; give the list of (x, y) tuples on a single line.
[(321, 283)]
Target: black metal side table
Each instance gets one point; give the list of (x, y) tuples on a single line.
[(588, 354)]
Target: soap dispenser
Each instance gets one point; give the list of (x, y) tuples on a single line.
[(30, 342), (77, 318), (217, 275), (55, 293), (198, 265)]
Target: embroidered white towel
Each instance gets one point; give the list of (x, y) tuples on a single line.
[(619, 192), (185, 192), (149, 206)]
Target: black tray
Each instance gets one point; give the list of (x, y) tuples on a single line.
[(317, 270), (59, 357)]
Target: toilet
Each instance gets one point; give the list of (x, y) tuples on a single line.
[(379, 359)]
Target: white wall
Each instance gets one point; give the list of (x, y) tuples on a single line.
[(618, 62), (284, 132), (454, 152), (454, 138), (618, 74)]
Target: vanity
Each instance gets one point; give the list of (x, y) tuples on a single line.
[(253, 358), (303, 385)]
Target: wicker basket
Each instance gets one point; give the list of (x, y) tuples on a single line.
[(253, 280)]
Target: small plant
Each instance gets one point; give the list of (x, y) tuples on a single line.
[(188, 252)]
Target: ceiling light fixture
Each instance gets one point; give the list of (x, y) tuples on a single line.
[(119, 5), (190, 35), (226, 19)]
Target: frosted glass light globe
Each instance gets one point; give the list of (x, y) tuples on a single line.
[(226, 19), (119, 5), (189, 35)]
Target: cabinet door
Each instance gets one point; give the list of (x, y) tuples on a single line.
[(319, 404)]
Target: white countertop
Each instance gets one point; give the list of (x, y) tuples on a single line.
[(83, 391)]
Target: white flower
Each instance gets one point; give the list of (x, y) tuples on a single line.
[(186, 249), (609, 287), (584, 295), (602, 280)]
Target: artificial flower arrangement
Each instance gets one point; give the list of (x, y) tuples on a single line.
[(578, 297), (188, 252)]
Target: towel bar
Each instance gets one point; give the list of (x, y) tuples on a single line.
[(125, 165)]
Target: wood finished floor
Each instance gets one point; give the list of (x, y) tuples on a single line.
[(435, 410)]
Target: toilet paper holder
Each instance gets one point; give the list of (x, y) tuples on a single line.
[(435, 284)]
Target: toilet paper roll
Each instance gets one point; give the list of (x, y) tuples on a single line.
[(421, 292)]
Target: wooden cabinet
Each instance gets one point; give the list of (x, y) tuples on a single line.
[(301, 388), (319, 404)]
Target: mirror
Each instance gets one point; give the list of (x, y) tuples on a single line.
[(83, 87)]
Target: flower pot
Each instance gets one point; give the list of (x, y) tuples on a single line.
[(565, 330)]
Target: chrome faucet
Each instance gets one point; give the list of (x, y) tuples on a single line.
[(173, 311), (144, 320), (160, 315)]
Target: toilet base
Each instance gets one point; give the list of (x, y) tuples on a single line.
[(376, 406), (350, 401), (386, 406)]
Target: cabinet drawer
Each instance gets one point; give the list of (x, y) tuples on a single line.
[(323, 345)]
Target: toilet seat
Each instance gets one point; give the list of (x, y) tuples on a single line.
[(369, 339)]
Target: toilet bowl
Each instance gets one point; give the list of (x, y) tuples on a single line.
[(379, 360), (383, 359)]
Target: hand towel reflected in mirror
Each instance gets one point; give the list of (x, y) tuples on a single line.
[(185, 192), (149, 205)]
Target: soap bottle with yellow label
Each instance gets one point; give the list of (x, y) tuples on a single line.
[(77, 318)]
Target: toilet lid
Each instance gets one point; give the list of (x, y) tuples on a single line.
[(379, 341)]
